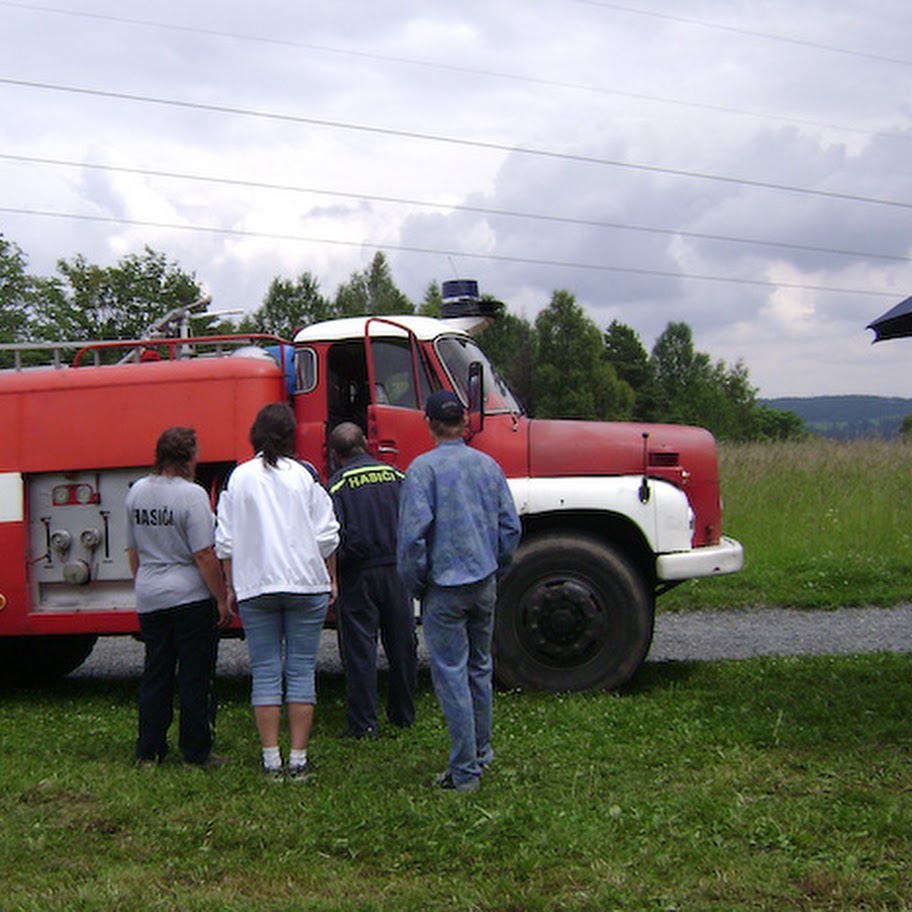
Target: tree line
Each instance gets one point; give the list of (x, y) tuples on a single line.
[(561, 365)]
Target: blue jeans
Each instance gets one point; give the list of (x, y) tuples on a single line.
[(458, 626), (283, 629)]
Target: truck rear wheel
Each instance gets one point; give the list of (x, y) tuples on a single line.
[(26, 660), (572, 614)]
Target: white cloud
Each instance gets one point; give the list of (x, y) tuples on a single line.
[(406, 100)]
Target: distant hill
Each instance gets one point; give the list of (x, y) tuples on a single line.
[(847, 417)]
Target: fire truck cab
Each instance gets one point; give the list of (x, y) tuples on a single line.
[(613, 514)]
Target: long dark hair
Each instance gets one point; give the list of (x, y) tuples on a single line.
[(273, 432), (175, 450)]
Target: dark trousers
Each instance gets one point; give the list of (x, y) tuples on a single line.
[(372, 600), (182, 640)]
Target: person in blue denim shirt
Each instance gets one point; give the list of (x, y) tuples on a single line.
[(457, 532)]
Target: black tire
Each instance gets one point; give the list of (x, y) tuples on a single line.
[(30, 660), (572, 614)]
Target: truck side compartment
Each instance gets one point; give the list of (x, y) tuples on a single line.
[(76, 440)]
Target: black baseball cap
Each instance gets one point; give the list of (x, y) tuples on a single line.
[(443, 405)]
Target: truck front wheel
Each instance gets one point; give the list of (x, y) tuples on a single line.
[(572, 614)]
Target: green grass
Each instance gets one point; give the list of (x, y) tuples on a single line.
[(765, 784), (823, 525), (769, 784)]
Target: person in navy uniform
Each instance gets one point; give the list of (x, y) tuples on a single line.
[(372, 597)]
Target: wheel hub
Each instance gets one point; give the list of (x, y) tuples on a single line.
[(564, 620)]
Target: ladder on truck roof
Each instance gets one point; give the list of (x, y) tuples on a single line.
[(136, 350), (167, 339)]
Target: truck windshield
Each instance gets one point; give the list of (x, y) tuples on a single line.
[(457, 353)]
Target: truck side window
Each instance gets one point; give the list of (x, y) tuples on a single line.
[(394, 375), (305, 370), (348, 393)]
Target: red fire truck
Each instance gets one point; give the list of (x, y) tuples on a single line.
[(613, 514)]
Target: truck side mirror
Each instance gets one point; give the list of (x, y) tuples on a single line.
[(476, 397)]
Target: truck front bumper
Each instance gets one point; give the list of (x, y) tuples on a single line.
[(712, 560)]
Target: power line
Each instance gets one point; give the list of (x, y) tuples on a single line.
[(452, 140), (477, 71), (436, 252), (751, 33), (476, 144), (457, 207)]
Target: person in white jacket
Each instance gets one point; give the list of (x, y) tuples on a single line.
[(276, 537)]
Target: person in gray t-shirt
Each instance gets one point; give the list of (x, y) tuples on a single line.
[(170, 537)]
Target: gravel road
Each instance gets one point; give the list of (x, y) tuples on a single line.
[(678, 637)]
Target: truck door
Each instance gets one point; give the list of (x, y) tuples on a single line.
[(399, 382)]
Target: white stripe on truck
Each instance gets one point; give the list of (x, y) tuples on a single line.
[(11, 497)]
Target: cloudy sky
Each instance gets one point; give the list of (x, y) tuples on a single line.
[(739, 166)]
